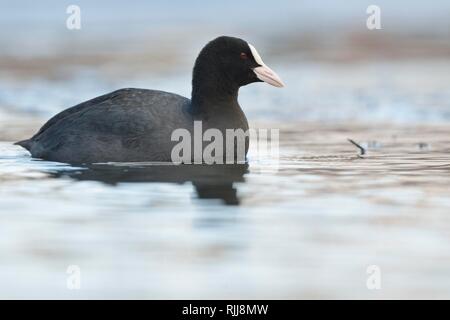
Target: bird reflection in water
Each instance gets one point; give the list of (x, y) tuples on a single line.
[(209, 181)]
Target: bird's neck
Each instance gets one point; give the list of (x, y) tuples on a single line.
[(212, 93)]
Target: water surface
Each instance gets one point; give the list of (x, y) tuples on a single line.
[(307, 229)]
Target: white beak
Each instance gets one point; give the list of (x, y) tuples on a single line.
[(264, 73)]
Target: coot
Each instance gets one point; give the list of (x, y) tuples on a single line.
[(130, 125)]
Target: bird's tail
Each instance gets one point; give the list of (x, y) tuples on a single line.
[(24, 144)]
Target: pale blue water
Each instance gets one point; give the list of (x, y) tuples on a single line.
[(307, 230), (395, 92)]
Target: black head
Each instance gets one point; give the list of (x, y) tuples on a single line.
[(230, 63)]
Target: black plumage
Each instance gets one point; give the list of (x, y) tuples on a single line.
[(131, 125)]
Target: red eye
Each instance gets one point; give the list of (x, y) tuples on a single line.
[(243, 56)]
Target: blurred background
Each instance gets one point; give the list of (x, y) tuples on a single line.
[(307, 229)]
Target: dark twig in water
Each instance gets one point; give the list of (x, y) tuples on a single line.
[(361, 149)]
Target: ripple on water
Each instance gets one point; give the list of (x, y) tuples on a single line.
[(306, 226)]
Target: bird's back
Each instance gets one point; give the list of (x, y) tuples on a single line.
[(124, 125)]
